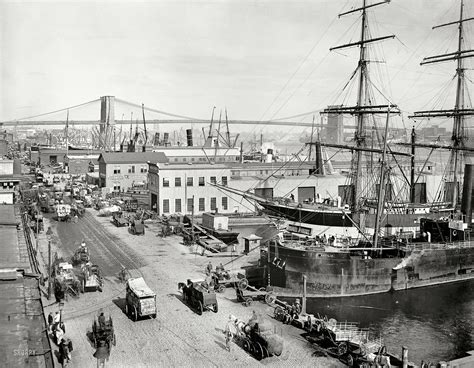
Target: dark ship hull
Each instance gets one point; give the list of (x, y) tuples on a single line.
[(340, 274), (343, 218)]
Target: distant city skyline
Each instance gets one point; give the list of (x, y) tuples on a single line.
[(261, 59)]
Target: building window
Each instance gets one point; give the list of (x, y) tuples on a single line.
[(117, 170), (166, 205), (131, 169), (202, 206), (177, 205), (189, 181), (166, 182), (224, 203), (190, 204), (116, 187), (213, 203), (201, 181), (213, 180), (224, 180), (177, 182), (143, 169)]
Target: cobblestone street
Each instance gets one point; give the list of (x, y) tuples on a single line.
[(178, 337)]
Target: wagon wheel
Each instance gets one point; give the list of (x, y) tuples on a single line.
[(114, 341), (83, 286), (279, 313), (270, 298), (200, 308), (247, 345), (262, 289), (134, 314), (265, 352), (342, 348), (350, 360), (127, 311), (258, 351), (243, 284), (248, 302), (220, 288), (216, 308)]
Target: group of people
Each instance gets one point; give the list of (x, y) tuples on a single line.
[(58, 329), (292, 311)]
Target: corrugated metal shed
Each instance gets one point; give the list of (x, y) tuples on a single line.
[(23, 335), (23, 340), (11, 256), (7, 215)]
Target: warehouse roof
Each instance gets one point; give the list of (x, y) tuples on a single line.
[(132, 157)]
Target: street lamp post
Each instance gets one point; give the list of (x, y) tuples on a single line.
[(48, 234)]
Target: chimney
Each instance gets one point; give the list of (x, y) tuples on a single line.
[(189, 137)]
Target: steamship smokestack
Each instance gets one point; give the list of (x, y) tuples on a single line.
[(269, 157), (319, 169), (189, 137), (166, 136), (156, 141), (467, 203)]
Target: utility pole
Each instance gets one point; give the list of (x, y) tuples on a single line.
[(48, 234), (49, 268)]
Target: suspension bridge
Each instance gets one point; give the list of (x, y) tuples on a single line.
[(108, 113)]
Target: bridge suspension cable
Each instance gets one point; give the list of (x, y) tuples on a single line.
[(157, 111), (56, 111)]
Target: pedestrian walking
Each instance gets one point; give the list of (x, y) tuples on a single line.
[(209, 268), (50, 321), (228, 332)]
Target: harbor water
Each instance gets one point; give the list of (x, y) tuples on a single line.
[(434, 323)]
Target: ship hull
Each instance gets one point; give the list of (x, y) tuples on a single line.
[(335, 218), (338, 274)]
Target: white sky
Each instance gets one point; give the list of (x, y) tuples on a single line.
[(185, 57)]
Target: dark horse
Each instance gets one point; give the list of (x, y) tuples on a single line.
[(186, 289)]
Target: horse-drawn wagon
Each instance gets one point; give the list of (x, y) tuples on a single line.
[(258, 339), (92, 277), (199, 296), (140, 300), (137, 227), (103, 331), (66, 281)]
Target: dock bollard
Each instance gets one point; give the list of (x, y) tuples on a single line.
[(404, 357)]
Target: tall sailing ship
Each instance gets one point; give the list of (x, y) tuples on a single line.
[(440, 251)]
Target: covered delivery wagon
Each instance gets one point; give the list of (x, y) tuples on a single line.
[(140, 299)]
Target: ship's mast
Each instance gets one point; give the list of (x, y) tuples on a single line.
[(363, 106), (460, 111)]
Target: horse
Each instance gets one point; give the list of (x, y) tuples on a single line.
[(185, 288)]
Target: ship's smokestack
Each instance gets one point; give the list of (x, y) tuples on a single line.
[(269, 157), (319, 169), (156, 141), (166, 136), (468, 193), (189, 137)]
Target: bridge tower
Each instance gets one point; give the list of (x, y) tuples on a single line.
[(334, 128), (107, 112), (105, 135)]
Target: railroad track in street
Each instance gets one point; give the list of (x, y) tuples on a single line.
[(107, 250)]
